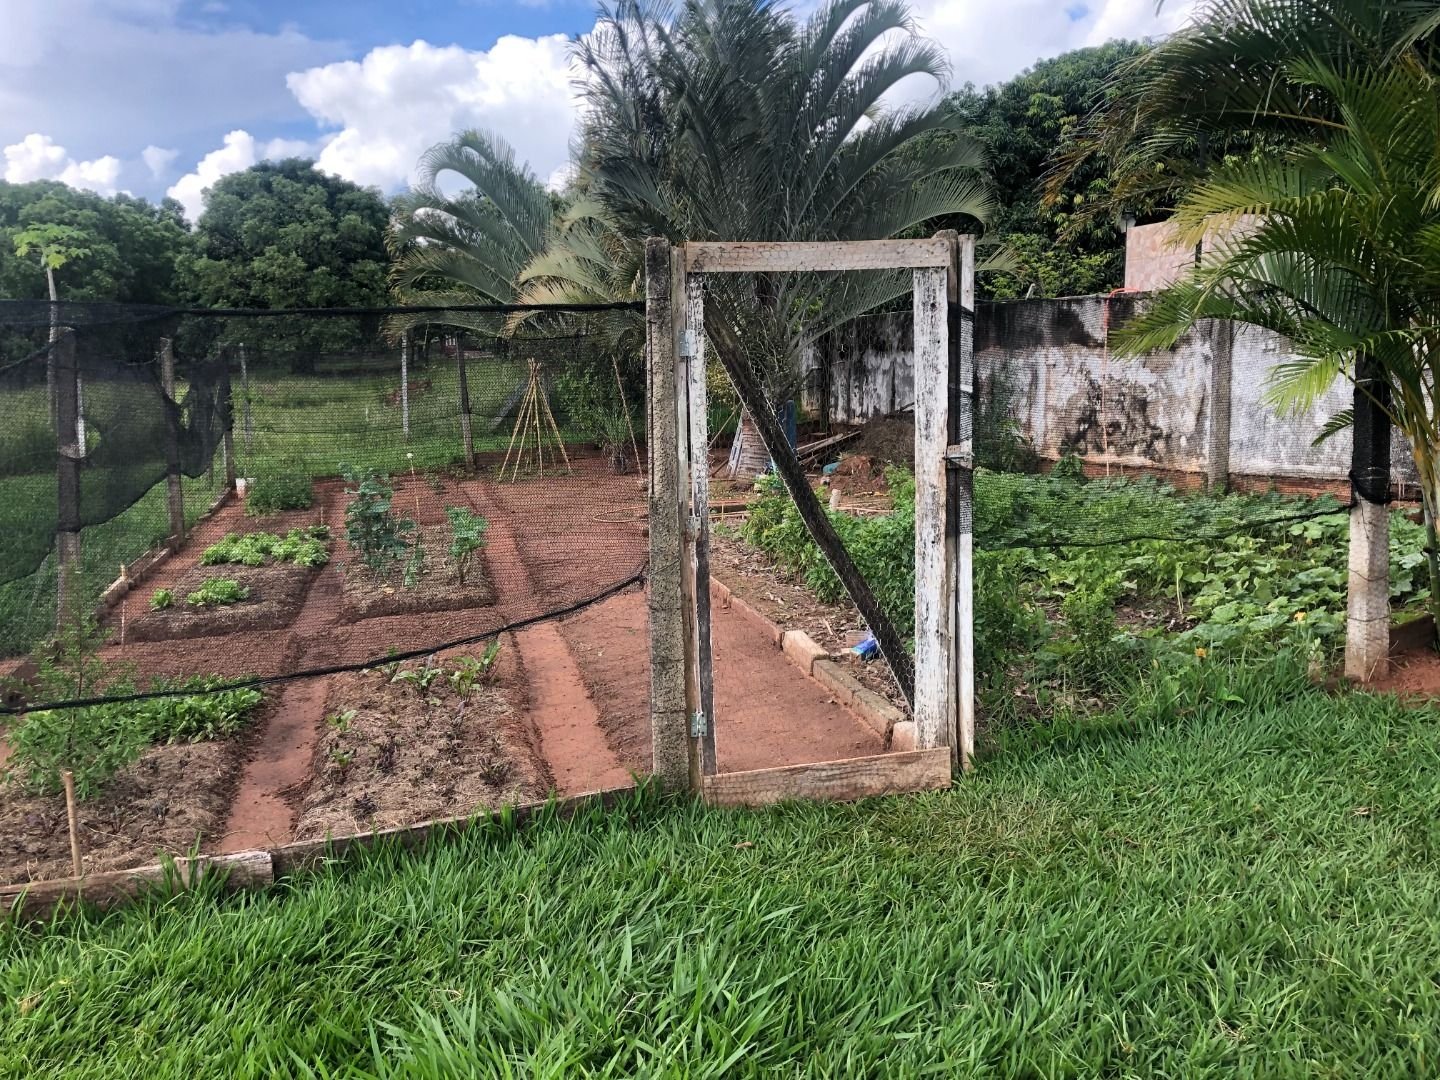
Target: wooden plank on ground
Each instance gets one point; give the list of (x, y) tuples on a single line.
[(764, 257), (26, 903), (834, 781)]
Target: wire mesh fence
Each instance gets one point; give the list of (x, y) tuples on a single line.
[(479, 462)]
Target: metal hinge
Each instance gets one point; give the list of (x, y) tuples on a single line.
[(687, 344), (960, 454), (698, 726)]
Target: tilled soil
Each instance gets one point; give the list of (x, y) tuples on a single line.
[(168, 801), (394, 753), (274, 595)]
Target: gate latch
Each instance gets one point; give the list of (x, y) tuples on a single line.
[(960, 454)]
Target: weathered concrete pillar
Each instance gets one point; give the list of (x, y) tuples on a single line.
[(1367, 624), (1217, 456)]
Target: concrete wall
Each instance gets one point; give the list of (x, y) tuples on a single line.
[(1046, 366), (1154, 257)]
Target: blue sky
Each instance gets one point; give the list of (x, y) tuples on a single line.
[(166, 96)]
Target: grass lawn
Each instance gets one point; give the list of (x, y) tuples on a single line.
[(1232, 874)]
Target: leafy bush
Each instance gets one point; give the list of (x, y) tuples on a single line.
[(273, 492), (371, 527), (161, 599), (467, 536), (218, 592), (303, 547)]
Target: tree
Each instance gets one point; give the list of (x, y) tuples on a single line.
[(130, 246), (285, 235), (1341, 250), (1022, 124), (734, 121)]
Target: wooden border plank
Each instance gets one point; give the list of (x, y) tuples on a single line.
[(762, 257), (834, 781), (934, 564)]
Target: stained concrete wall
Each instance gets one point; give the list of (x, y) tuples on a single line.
[(1046, 366)]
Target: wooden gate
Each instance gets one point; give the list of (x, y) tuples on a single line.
[(682, 687)]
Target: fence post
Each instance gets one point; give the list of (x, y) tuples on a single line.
[(934, 700), (960, 492), (1217, 457), (227, 420), (1367, 624), (68, 455), (245, 394), (405, 384), (466, 434), (700, 702), (174, 490), (668, 730)]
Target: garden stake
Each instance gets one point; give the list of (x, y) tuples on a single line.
[(68, 778)]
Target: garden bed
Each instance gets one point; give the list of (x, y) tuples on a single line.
[(394, 751), (275, 594), (437, 587), (169, 800)]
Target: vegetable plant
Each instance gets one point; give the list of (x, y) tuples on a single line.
[(273, 492), (467, 536), (472, 670), (303, 547), (218, 592), (161, 599), (371, 526)]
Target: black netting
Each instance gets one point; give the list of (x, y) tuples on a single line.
[(499, 480)]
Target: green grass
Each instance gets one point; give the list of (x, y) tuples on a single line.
[(1235, 875)]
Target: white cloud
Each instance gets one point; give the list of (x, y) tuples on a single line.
[(240, 151), (39, 157), (398, 101), (158, 160), (990, 42)]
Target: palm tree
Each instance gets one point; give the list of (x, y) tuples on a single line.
[(1344, 255), (729, 120), (470, 247), (1216, 91)]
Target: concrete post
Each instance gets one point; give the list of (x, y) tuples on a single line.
[(1367, 624), (1217, 457)]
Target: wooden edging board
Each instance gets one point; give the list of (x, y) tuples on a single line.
[(259, 869), (852, 778)]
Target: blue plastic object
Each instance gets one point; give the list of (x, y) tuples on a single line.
[(867, 649), (829, 470)]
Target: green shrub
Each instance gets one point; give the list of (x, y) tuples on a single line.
[(218, 592), (161, 599), (274, 492)]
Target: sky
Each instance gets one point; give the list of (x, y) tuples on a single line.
[(163, 97)]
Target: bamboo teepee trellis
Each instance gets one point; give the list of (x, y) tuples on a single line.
[(534, 425)]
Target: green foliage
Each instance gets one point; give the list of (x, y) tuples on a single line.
[(1236, 871), (467, 536), (371, 527), (303, 547), (120, 248), (218, 592), (469, 671), (98, 740), (277, 491), (161, 599), (284, 234)]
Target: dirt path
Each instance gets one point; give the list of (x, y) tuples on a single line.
[(572, 740), (263, 810), (768, 713)]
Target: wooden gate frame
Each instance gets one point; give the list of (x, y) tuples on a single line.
[(681, 679)]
